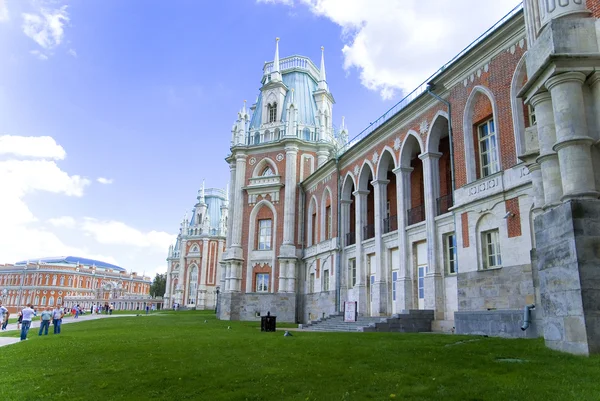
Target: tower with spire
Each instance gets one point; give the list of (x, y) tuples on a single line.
[(192, 262), (283, 138)]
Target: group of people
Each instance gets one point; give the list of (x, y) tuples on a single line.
[(106, 309), (26, 316)]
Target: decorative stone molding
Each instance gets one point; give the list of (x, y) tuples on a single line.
[(397, 144)]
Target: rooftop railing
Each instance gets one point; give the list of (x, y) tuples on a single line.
[(395, 109), (291, 62)]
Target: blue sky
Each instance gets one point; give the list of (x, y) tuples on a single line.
[(143, 94)]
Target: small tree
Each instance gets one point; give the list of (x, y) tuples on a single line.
[(159, 285)]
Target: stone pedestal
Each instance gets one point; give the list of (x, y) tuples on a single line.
[(568, 260)]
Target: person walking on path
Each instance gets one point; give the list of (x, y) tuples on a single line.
[(45, 317), (4, 315), (27, 314), (110, 309), (57, 315), (147, 309)]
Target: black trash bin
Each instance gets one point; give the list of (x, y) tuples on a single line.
[(268, 323)]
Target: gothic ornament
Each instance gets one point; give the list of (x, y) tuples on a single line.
[(375, 157), (356, 170), (252, 161), (279, 157), (397, 144), (424, 127)]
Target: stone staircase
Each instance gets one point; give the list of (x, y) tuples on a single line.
[(413, 321)]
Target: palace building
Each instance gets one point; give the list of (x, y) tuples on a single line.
[(474, 198), (192, 263), (66, 279)]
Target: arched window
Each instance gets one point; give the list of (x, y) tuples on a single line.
[(277, 134), (70, 281), (59, 301), (47, 279), (44, 300), (256, 138), (54, 279), (37, 299), (272, 112), (268, 171), (268, 136), (193, 286), (62, 280), (306, 134), (51, 301)]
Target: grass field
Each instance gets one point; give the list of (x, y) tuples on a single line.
[(176, 356)]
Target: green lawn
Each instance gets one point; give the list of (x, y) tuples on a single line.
[(176, 356)]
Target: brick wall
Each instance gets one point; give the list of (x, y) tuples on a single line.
[(513, 222)]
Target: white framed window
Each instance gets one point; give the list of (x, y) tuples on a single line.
[(262, 282), (531, 112), (272, 112), (311, 283), (264, 234), (490, 243), (351, 272), (62, 280), (44, 300), (450, 259), (488, 148), (325, 280), (193, 285)]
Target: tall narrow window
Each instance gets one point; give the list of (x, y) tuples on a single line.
[(488, 148), (531, 112), (490, 241), (314, 229), (450, 253), (262, 282), (272, 112), (264, 234), (394, 279), (328, 222), (325, 280), (352, 272), (311, 283), (193, 286)]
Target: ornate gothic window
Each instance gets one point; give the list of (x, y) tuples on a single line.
[(262, 282), (272, 112)]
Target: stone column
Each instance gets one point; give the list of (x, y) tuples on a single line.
[(292, 276), (360, 197), (595, 86), (548, 158), (434, 284), (345, 228), (237, 276), (240, 178), (322, 156), (228, 277), (283, 275), (573, 142), (203, 275), (289, 206), (380, 287), (404, 288), (538, 187), (231, 200)]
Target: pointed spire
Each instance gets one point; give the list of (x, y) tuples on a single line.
[(275, 75), (276, 60), (202, 193), (244, 108), (292, 99), (322, 75), (343, 127)]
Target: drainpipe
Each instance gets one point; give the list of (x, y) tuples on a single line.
[(338, 272), (527, 316)]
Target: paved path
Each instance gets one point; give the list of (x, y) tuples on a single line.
[(36, 324)]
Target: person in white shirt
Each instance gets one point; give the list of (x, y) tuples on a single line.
[(28, 314), (57, 315), (4, 315)]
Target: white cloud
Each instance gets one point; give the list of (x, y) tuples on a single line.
[(63, 221), (397, 44), (119, 233), (105, 181), (38, 54), (286, 2), (3, 11), (43, 147), (46, 28), (72, 52)]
